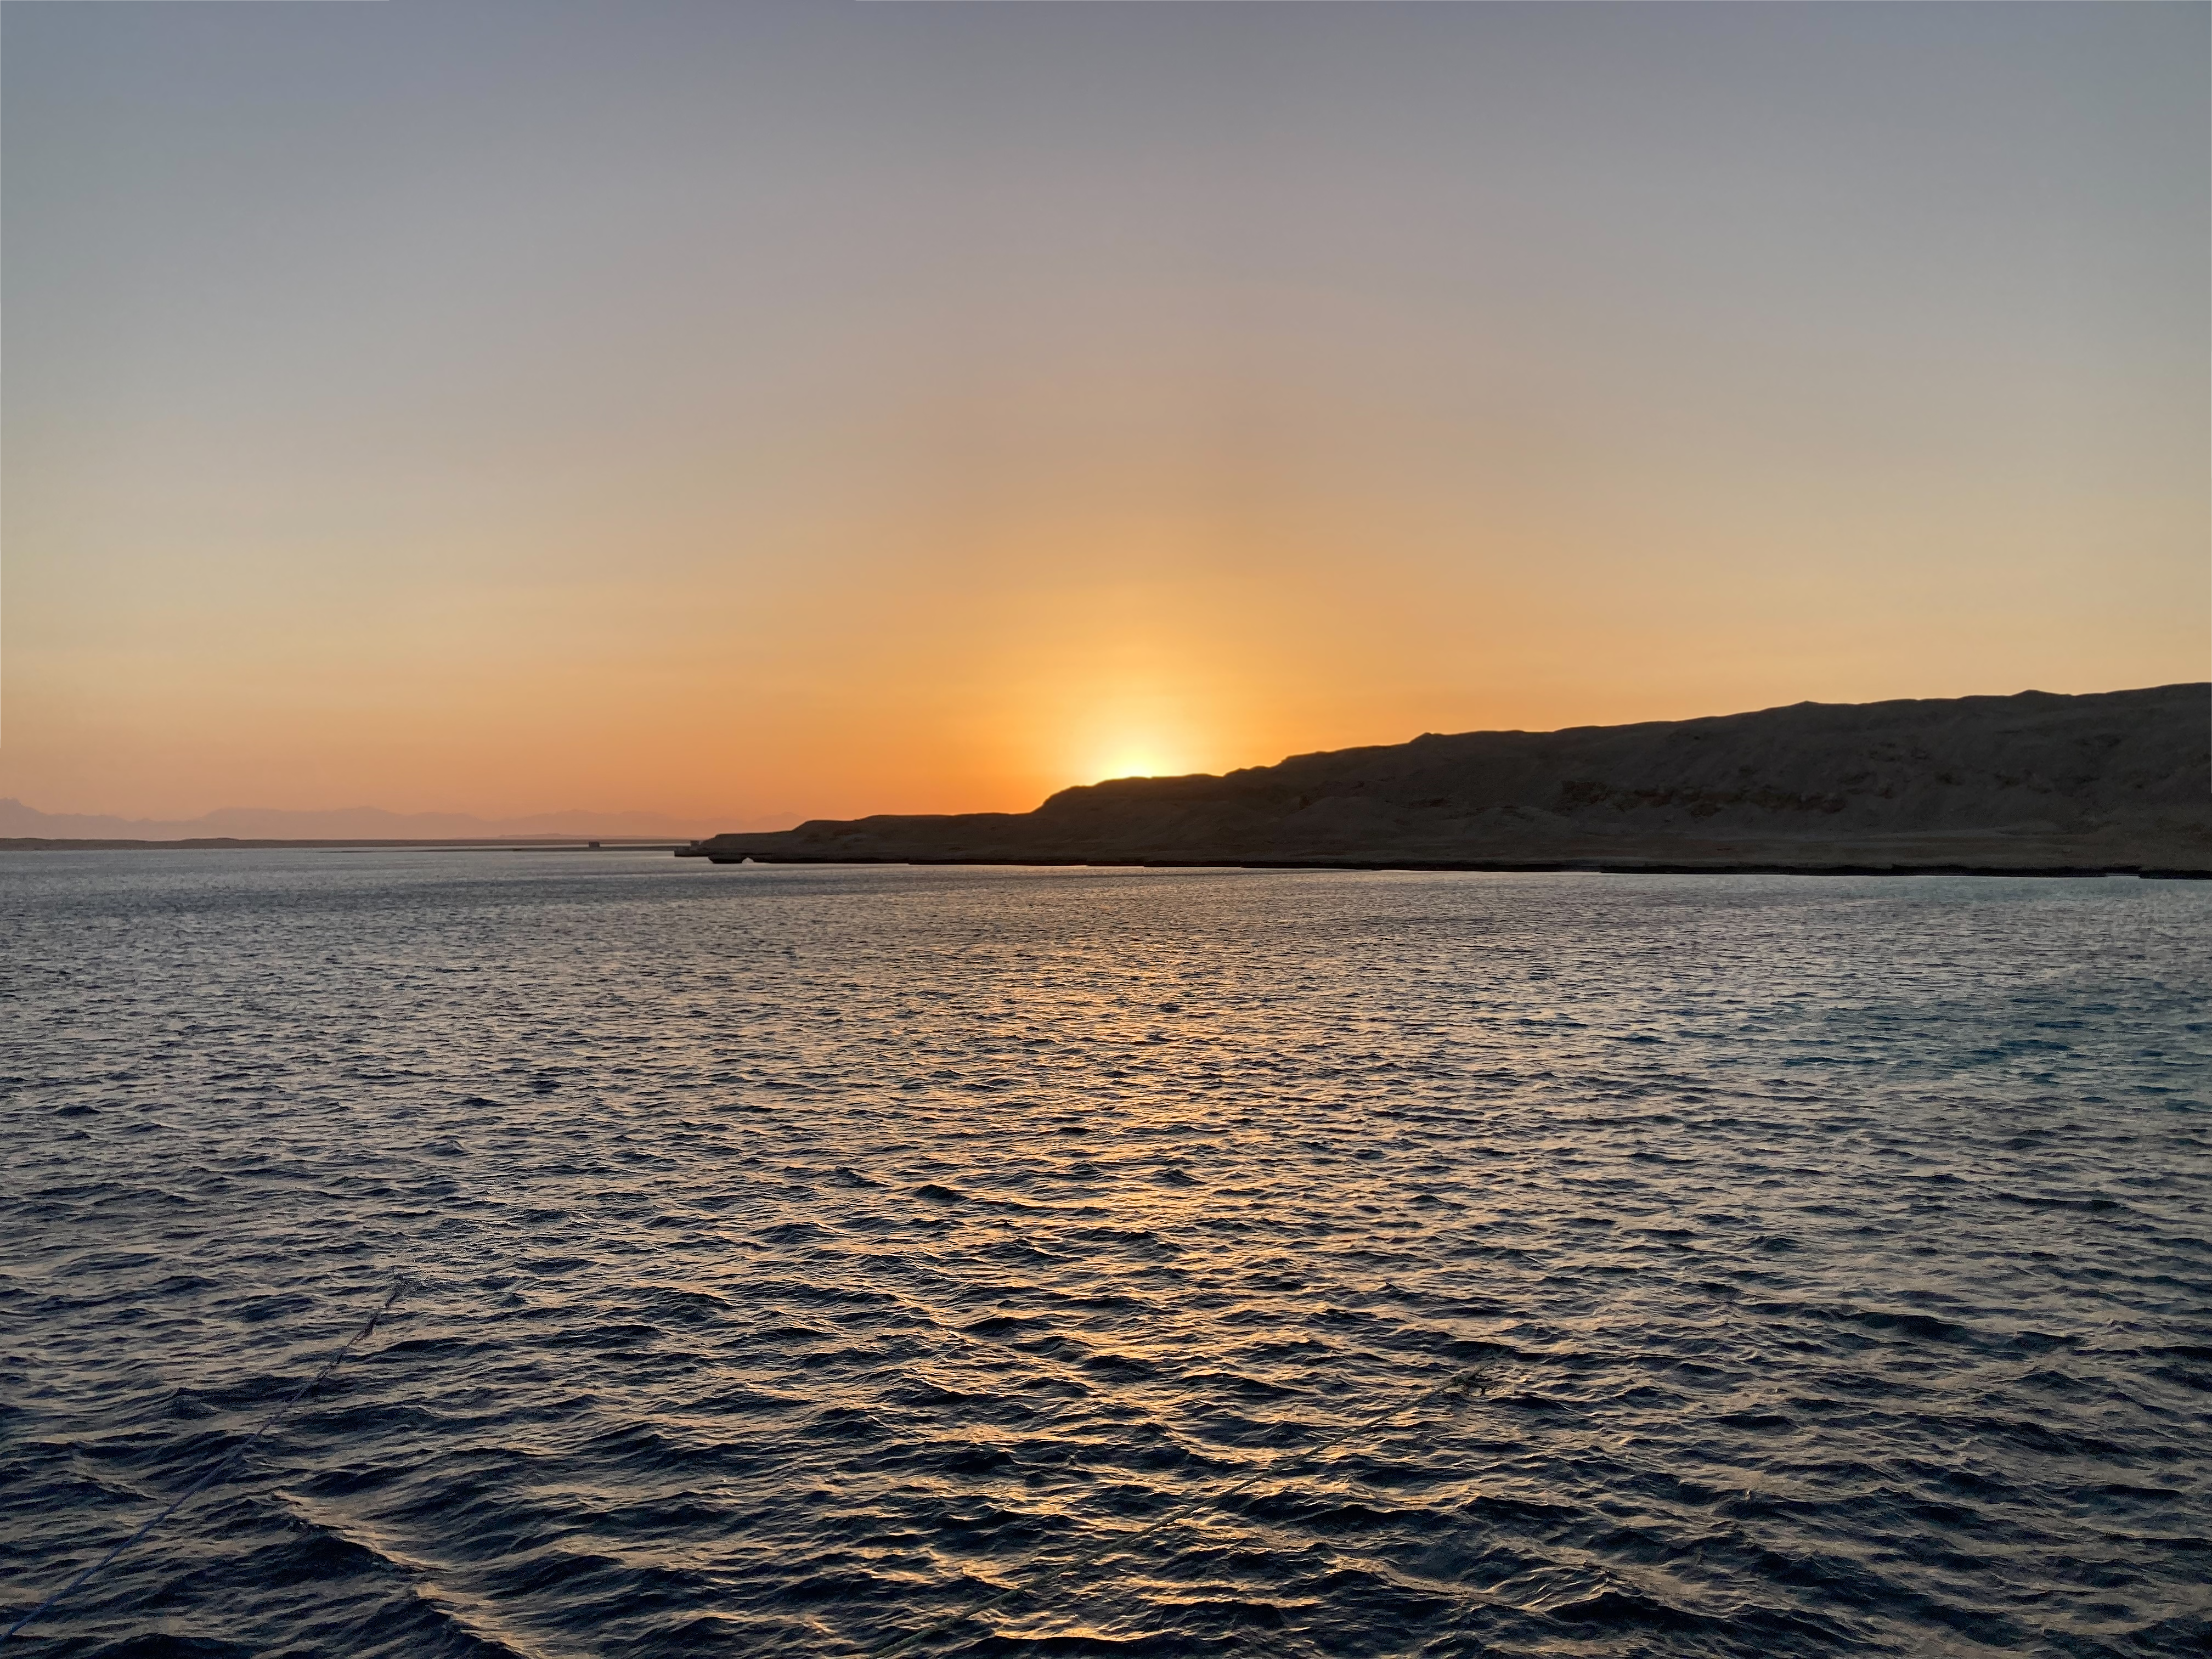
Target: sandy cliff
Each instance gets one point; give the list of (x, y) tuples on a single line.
[(2115, 780)]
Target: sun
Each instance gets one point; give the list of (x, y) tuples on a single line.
[(1133, 761), (1133, 733), (1145, 750)]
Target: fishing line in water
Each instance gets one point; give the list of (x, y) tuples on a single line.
[(1462, 1387), (208, 1478)]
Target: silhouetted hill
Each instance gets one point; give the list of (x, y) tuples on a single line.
[(2114, 780)]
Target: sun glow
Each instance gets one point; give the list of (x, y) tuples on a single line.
[(1133, 760), (1145, 750), (1133, 721)]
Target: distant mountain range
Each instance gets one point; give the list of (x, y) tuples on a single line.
[(348, 823), (2113, 780)]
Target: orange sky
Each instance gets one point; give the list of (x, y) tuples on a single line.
[(754, 413)]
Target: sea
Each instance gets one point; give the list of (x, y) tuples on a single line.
[(819, 1261)]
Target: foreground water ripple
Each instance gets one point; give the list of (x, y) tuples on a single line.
[(798, 1258)]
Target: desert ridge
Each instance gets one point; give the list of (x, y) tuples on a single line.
[(2035, 783)]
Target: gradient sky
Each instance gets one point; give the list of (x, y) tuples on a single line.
[(745, 409)]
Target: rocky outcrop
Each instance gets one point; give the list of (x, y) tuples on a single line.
[(2114, 780)]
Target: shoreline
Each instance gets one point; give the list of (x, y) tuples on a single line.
[(1577, 866), (703, 849)]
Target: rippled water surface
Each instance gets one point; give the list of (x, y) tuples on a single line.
[(1195, 1261)]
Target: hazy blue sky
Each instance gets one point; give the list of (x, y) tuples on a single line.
[(735, 408)]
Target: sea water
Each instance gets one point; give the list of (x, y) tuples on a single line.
[(1206, 1261)]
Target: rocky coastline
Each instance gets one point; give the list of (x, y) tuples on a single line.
[(2116, 782)]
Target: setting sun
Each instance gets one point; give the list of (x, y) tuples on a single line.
[(1133, 761)]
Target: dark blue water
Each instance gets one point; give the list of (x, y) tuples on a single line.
[(798, 1258)]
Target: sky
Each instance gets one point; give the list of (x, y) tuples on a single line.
[(756, 410)]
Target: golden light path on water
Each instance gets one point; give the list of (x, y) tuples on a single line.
[(799, 1258)]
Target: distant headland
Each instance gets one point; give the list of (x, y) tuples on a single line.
[(2114, 781)]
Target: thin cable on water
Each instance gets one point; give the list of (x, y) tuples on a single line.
[(1463, 1385), (208, 1478)]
